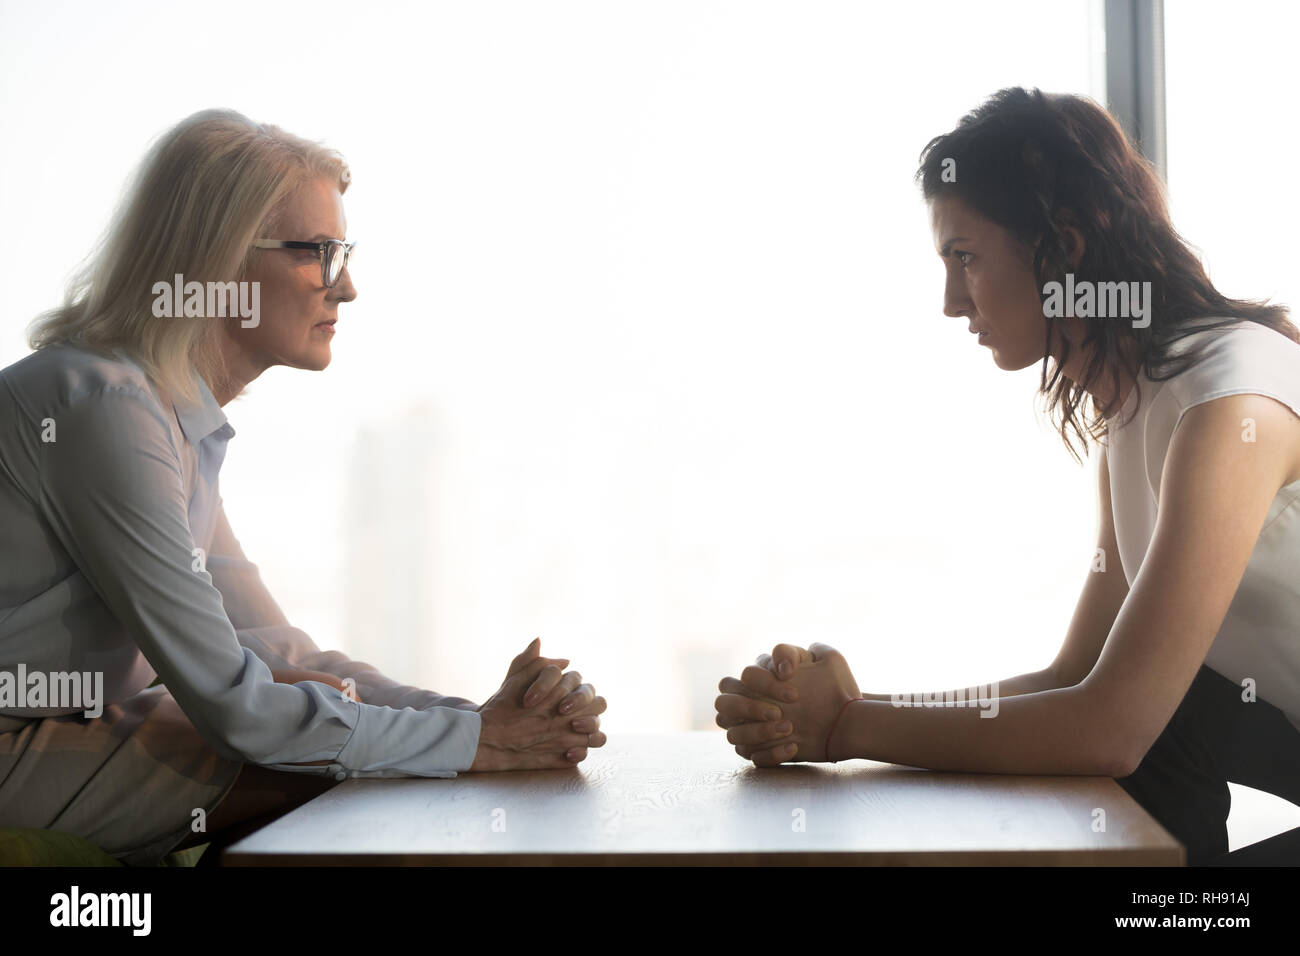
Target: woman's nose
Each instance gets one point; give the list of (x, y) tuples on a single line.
[(344, 290), (955, 300)]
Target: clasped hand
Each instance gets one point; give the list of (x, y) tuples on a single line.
[(542, 717), (784, 704)]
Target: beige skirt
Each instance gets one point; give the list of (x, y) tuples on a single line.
[(129, 781)]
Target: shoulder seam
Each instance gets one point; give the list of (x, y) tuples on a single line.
[(128, 391)]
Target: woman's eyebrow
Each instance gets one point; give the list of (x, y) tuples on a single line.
[(948, 244)]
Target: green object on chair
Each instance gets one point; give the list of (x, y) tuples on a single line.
[(54, 848)]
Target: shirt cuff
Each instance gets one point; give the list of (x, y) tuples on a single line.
[(387, 742)]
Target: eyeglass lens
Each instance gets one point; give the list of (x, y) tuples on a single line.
[(334, 256)]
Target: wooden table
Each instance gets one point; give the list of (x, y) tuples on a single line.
[(687, 798)]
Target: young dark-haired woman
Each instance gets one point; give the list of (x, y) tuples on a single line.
[(1180, 671)]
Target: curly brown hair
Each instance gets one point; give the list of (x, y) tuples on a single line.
[(1036, 163)]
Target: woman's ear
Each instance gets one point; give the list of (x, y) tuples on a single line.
[(1074, 245), (1074, 241)]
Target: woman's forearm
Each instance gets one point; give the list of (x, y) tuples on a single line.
[(1013, 687), (1055, 731)]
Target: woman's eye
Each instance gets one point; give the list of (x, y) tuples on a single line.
[(962, 257)]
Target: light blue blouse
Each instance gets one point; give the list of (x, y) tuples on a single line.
[(99, 572)]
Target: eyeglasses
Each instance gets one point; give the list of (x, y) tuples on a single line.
[(333, 254)]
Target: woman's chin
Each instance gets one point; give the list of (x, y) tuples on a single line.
[(315, 359), (1012, 363)]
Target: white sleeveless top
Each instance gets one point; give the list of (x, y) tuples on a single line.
[(1260, 636)]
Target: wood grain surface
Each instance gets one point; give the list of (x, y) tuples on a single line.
[(688, 799)]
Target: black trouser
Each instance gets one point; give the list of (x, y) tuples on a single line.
[(1215, 738)]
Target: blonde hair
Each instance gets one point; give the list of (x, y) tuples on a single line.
[(206, 189)]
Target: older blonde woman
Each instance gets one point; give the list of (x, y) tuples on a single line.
[(118, 557)]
